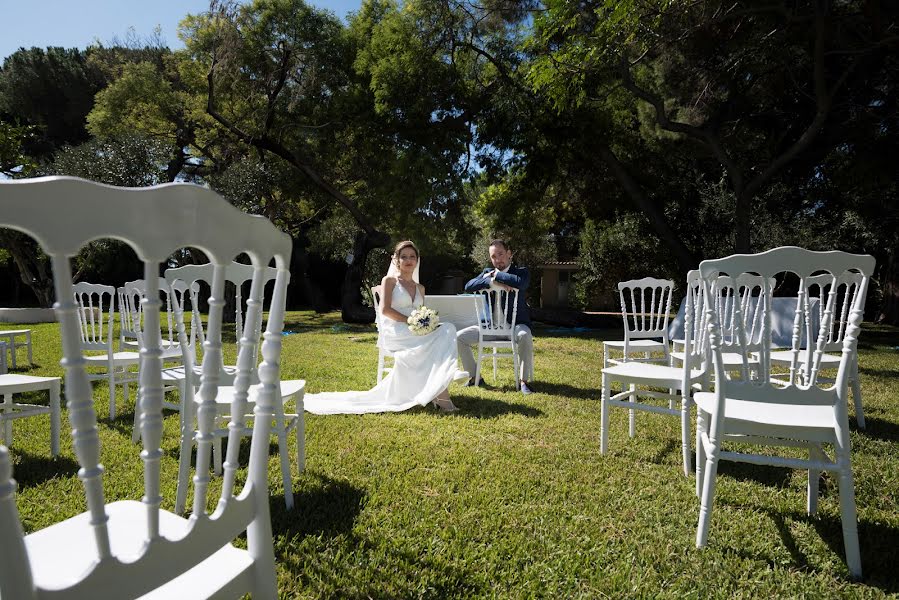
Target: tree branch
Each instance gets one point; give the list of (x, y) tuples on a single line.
[(264, 143)]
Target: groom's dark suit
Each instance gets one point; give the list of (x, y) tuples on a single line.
[(518, 278)]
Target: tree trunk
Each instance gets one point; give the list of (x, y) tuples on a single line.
[(33, 266), (742, 223), (889, 285), (685, 259), (353, 311)]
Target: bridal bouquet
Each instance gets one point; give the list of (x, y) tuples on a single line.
[(423, 320)]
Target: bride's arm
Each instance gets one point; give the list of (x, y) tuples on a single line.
[(387, 284)]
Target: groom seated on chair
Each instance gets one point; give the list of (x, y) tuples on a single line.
[(504, 275)]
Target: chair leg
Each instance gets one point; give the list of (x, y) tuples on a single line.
[(6, 430), (515, 361), (477, 369), (632, 416), (708, 498), (187, 440), (54, 419), (814, 477), (857, 395), (685, 431), (494, 365), (284, 455), (380, 365), (604, 415), (135, 433), (217, 455), (700, 449), (301, 437), (848, 513), (111, 379)]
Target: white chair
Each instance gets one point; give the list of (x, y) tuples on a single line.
[(10, 411), (643, 380), (134, 548), (764, 413), (95, 316), (496, 330), (192, 277), (844, 289), (743, 293), (12, 344), (131, 297), (3, 366), (130, 317), (383, 353), (645, 308)]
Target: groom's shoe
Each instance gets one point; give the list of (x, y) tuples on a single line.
[(525, 389), (472, 384)]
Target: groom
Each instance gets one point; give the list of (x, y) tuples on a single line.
[(507, 276)]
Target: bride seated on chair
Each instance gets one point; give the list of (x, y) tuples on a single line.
[(424, 365)]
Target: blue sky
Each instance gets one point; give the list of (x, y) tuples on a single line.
[(79, 23)]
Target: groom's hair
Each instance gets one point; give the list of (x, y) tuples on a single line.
[(499, 242)]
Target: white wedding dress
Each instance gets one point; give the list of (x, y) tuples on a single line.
[(423, 366)]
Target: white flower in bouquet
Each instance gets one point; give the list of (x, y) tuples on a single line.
[(423, 320)]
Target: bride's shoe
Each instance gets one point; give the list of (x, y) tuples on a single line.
[(445, 405)]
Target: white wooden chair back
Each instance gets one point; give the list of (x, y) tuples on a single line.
[(844, 290), (500, 313), (741, 297), (133, 293), (134, 553), (377, 292), (804, 264), (182, 294), (192, 277), (127, 327), (95, 303), (695, 331), (645, 309)]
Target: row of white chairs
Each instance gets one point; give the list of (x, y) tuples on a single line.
[(136, 548), (744, 390)]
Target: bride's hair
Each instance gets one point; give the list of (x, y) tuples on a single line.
[(402, 246)]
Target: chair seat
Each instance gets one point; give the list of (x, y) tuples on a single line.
[(638, 345), (794, 416), (178, 373), (641, 372), (732, 360), (63, 552), (118, 359), (15, 384), (785, 358), (289, 388)]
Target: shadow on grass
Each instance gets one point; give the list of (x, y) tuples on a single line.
[(322, 507), (325, 513), (569, 391), (23, 368), (877, 543), (486, 408), (885, 373), (763, 474), (33, 470), (879, 429)]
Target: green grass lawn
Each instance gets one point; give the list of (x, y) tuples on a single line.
[(510, 498)]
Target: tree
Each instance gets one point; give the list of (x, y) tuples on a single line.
[(752, 86), (52, 90)]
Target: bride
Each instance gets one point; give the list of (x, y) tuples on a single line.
[(423, 365)]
